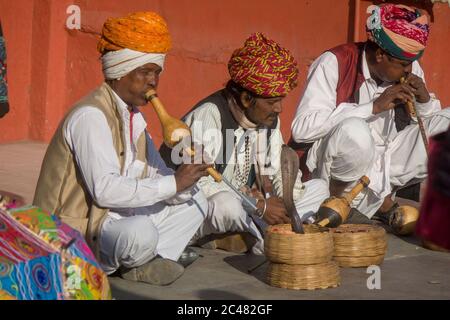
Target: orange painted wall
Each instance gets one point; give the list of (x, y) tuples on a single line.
[(51, 67), (17, 32)]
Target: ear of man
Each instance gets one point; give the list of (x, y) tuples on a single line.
[(246, 99)]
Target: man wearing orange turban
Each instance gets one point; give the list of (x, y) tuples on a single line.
[(239, 128), (102, 173), (132, 41)]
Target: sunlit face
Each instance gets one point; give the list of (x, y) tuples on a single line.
[(390, 69), (134, 85), (264, 111)]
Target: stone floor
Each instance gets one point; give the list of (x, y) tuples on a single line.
[(408, 272)]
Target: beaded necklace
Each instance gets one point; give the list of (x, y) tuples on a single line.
[(242, 176)]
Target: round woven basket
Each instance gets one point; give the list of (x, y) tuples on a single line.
[(359, 245), (282, 245), (301, 277)]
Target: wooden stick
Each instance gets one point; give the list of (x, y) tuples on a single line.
[(413, 112)]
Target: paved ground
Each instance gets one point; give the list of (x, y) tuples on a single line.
[(408, 272)]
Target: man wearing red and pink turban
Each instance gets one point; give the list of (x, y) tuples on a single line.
[(351, 120), (240, 129)]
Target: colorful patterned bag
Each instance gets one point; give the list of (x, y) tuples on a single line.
[(43, 258)]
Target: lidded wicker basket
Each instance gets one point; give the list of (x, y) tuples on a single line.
[(359, 245), (282, 245), (300, 261)]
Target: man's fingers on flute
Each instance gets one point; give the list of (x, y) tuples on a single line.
[(405, 88), (404, 97)]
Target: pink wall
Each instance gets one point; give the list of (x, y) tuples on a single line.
[(50, 67)]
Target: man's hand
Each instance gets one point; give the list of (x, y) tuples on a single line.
[(399, 93), (275, 212), (188, 174), (252, 192), (418, 88)]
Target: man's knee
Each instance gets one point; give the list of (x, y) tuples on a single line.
[(438, 122), (226, 207), (355, 150), (136, 243), (356, 132), (444, 113)]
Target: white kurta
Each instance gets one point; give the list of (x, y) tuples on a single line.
[(147, 217), (318, 117)]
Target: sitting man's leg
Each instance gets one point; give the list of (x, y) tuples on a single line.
[(316, 191), (226, 214), (409, 166), (409, 157), (344, 155), (146, 246), (178, 224), (130, 244)]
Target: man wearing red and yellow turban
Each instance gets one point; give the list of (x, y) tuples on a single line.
[(102, 173), (239, 128)]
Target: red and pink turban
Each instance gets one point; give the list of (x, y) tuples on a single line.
[(400, 30)]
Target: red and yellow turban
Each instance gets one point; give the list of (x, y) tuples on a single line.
[(400, 30), (140, 31), (263, 67)]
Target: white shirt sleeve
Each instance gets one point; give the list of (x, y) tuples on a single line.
[(156, 165), (433, 105), (157, 168), (89, 137), (317, 112)]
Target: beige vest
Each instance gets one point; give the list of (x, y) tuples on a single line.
[(60, 188)]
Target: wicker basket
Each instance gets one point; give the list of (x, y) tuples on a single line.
[(359, 245), (309, 277), (282, 245)]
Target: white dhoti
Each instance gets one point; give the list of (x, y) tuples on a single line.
[(352, 150), (160, 229), (226, 213)]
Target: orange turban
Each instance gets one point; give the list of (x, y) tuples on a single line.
[(141, 31)]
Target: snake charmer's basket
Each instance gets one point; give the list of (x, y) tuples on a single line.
[(359, 245), (300, 261)]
